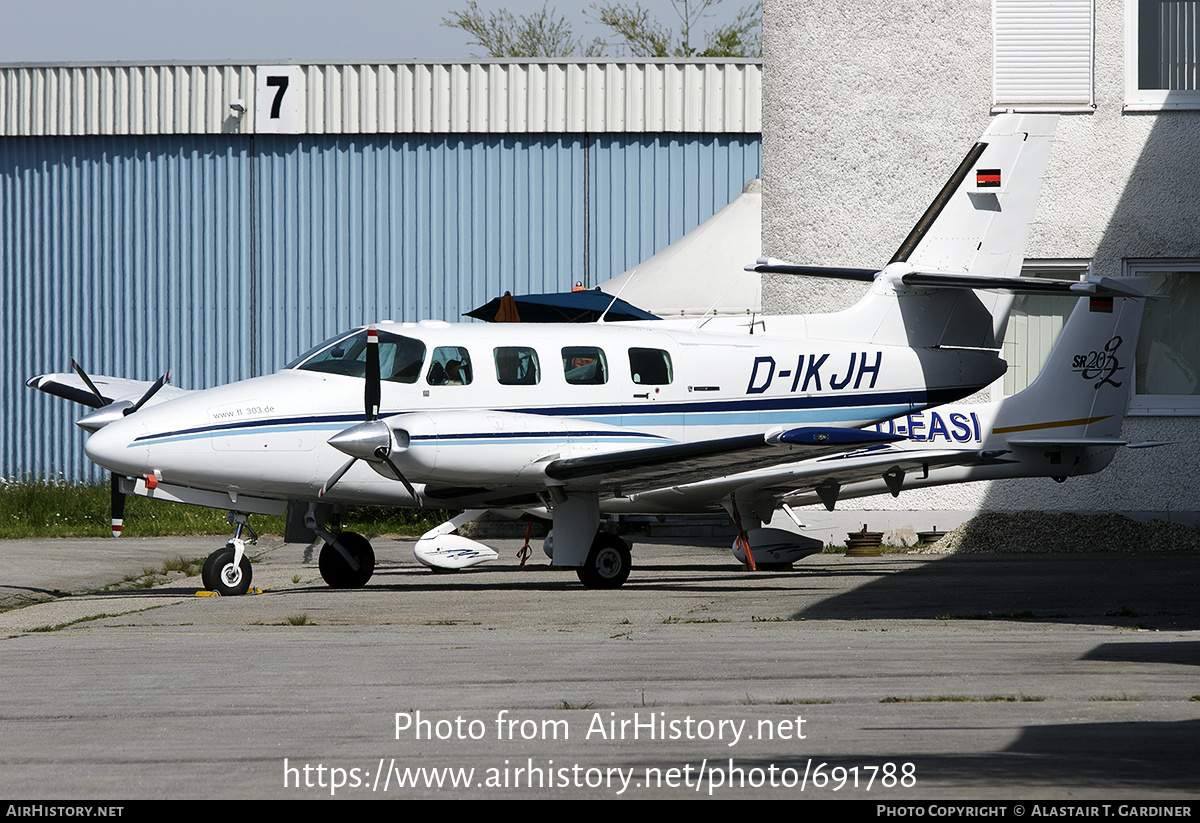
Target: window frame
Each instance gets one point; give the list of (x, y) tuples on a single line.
[(518, 351), (601, 361), (647, 351), (1139, 99), (1059, 269), (1160, 405)]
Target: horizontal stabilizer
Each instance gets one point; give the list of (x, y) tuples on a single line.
[(769, 265), (1080, 442), (1096, 286)]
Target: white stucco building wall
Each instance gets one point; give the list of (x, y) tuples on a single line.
[(868, 108)]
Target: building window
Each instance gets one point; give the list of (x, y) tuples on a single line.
[(1162, 53), (1036, 321), (1042, 55), (1168, 352)]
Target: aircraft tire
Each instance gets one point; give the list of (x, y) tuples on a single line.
[(220, 575), (207, 575), (337, 572), (608, 563)]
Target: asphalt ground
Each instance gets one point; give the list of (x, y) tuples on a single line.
[(898, 678)]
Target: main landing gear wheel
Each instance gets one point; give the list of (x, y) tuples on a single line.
[(337, 572), (608, 563), (222, 576)]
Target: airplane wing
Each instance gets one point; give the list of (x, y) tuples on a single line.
[(629, 471), (71, 386), (874, 470), (831, 473)]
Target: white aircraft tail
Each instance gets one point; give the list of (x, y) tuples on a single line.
[(1082, 392), (971, 238)]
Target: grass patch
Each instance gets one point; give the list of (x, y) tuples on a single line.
[(573, 707), (42, 508), (1025, 615), (88, 619), (299, 620), (1124, 698)]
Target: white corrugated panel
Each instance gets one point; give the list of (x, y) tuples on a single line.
[(483, 97), (1042, 53), (81, 100)]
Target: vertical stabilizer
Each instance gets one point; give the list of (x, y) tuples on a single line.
[(1083, 390), (981, 225)]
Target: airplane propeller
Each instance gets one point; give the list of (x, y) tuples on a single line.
[(370, 440), (107, 411)]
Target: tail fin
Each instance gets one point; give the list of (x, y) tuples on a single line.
[(976, 227), (979, 223), (1083, 390)]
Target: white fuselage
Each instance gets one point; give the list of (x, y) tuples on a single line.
[(520, 395)]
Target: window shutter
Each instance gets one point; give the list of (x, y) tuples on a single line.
[(1042, 53)]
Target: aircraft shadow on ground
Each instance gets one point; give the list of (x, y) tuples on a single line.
[(1153, 591), (1139, 756)]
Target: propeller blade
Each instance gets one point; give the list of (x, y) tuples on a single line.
[(158, 384), (400, 476), (101, 400), (371, 392), (337, 475), (117, 505)]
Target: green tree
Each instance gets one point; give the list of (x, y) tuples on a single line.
[(548, 34), (501, 34), (645, 37)]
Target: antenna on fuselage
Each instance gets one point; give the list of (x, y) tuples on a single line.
[(708, 315), (617, 296)]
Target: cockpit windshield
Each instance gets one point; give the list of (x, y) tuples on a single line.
[(400, 358)]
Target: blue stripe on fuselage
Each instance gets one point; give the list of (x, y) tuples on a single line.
[(733, 412)]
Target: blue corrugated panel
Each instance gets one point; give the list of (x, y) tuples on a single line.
[(359, 228), (130, 254), (648, 190), (135, 254)]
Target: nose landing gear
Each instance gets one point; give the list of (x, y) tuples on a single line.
[(227, 570)]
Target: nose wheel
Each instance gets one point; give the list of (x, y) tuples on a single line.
[(227, 570)]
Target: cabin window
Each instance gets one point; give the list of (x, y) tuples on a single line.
[(400, 358), (650, 367), (449, 366), (517, 366), (584, 365)]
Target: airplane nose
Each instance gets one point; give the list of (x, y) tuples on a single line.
[(112, 447)]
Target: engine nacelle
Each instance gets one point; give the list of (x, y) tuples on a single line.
[(445, 446)]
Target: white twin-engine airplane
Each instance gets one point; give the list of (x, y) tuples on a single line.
[(612, 417)]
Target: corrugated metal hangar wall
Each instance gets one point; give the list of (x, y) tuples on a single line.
[(195, 219)]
